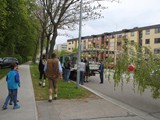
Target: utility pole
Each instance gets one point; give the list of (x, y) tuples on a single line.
[(79, 46)]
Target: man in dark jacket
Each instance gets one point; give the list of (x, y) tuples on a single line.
[(101, 68)]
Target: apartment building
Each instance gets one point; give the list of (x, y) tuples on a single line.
[(108, 44), (61, 47)]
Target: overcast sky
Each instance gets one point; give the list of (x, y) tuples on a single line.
[(124, 15)]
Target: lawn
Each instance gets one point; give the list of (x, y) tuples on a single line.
[(3, 72), (65, 90)]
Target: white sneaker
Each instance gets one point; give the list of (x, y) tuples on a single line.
[(44, 84)]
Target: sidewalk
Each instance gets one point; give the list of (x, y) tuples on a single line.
[(26, 99), (92, 108)]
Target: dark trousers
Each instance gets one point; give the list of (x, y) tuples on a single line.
[(12, 94), (81, 77), (42, 75), (66, 75), (101, 77)]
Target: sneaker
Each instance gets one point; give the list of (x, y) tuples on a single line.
[(10, 103), (16, 107), (44, 84), (49, 100), (40, 83), (4, 107)]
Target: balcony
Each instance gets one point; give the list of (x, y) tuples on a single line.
[(122, 38)]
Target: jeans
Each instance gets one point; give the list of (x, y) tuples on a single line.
[(66, 75), (81, 77), (42, 74), (12, 94), (101, 77)]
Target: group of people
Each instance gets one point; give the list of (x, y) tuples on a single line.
[(51, 69), (85, 73)]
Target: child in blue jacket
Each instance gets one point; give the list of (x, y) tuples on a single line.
[(13, 82)]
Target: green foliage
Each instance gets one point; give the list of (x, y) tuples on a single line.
[(21, 30), (75, 50), (63, 52), (147, 68), (3, 72)]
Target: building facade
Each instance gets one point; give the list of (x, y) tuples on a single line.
[(108, 44), (61, 47)]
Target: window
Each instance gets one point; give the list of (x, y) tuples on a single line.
[(6, 61), (157, 40), (119, 43), (157, 51), (157, 30), (132, 42), (119, 35), (132, 33), (111, 44), (125, 35), (69, 48), (147, 31), (147, 41), (97, 46), (90, 46)]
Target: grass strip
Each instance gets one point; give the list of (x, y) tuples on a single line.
[(3, 72), (65, 90)]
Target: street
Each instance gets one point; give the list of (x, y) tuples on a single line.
[(143, 102)]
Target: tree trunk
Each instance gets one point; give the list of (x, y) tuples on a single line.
[(53, 42), (42, 42), (35, 52), (47, 47)]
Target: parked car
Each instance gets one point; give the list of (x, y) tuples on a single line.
[(1, 60), (6, 61)]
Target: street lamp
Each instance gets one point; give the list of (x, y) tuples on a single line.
[(79, 46)]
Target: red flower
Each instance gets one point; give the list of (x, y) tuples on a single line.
[(131, 67)]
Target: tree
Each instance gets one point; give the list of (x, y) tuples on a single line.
[(147, 72), (19, 29), (3, 14), (64, 14)]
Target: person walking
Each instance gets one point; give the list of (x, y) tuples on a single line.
[(13, 82), (86, 70), (101, 68), (67, 67), (53, 71), (42, 62), (82, 71)]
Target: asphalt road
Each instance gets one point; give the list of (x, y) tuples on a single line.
[(127, 95)]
